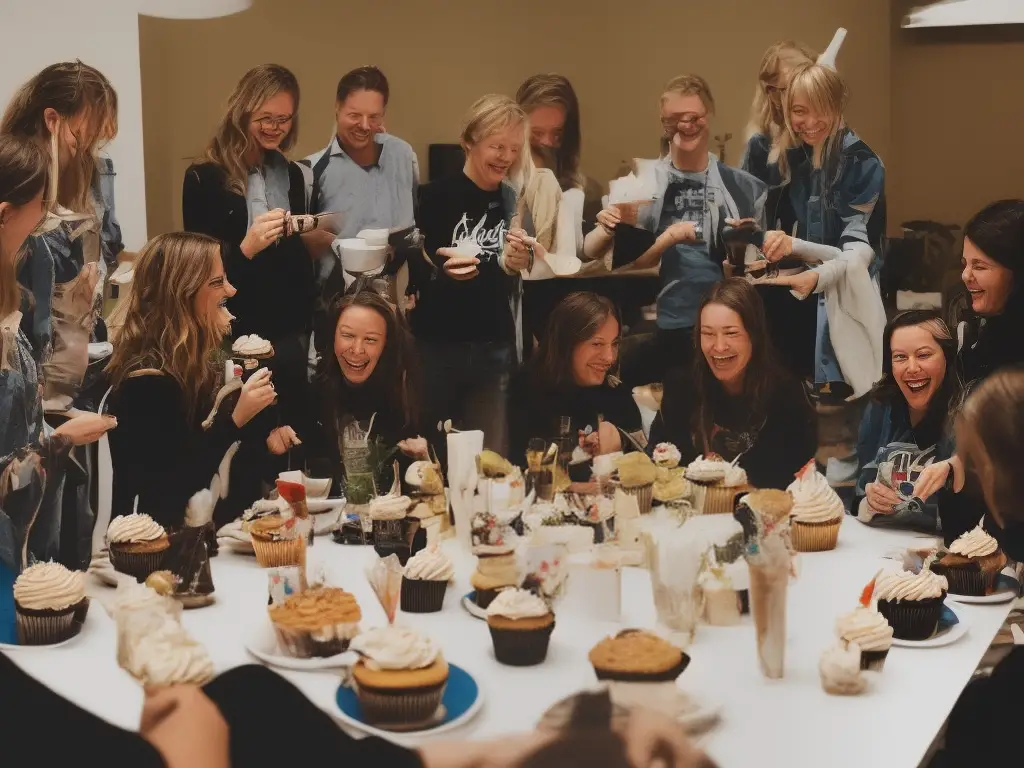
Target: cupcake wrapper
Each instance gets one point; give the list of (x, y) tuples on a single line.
[(81, 611), (815, 537), (484, 597), (137, 564), (873, 661), (644, 496), (421, 596), (302, 645), (968, 579), (519, 647), (46, 627), (400, 707), (279, 554), (721, 500), (912, 619), (637, 677)]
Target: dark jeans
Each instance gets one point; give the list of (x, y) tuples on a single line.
[(650, 357), (467, 382)]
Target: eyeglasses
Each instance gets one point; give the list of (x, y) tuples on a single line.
[(274, 123), (687, 119)]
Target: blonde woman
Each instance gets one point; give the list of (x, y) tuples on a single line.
[(241, 192), (466, 321), (165, 377)]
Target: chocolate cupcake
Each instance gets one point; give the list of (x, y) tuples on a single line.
[(911, 603), (137, 545), (425, 581), (521, 625), (972, 564), (870, 631), (47, 599)]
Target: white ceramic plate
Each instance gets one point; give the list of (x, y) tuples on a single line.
[(7, 647), (705, 716), (472, 608), (947, 633), (263, 645), (1007, 589)]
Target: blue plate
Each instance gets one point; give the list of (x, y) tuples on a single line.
[(469, 603), (947, 620), (461, 701)]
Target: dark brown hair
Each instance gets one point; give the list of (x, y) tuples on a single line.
[(363, 79), (556, 91), (887, 390), (998, 232), (23, 176), (762, 373), (574, 320)]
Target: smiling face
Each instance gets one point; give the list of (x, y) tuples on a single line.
[(272, 122), (812, 126), (918, 365), (592, 358), (547, 123), (725, 344), (359, 118), (489, 160), (211, 301), (359, 342), (684, 119), (988, 282)]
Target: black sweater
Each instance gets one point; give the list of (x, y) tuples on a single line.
[(275, 287), (774, 445)]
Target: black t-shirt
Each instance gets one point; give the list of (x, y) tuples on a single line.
[(535, 411), (452, 210)]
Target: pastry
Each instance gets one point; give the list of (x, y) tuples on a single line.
[(425, 581), (137, 545), (387, 513), (47, 597), (252, 346), (817, 512), (131, 596), (277, 541), (911, 602), (870, 631), (637, 656), (716, 484), (666, 455), (840, 670), (972, 564), (521, 625), (636, 476), (669, 485), (721, 601), (706, 471), (317, 622), (157, 651), (401, 676), (493, 573)]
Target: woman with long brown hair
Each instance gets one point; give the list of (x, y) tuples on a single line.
[(241, 192), (165, 376), (738, 401)]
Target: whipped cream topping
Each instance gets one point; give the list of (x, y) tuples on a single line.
[(734, 476), (429, 564), (666, 455), (707, 470), (840, 669), (903, 585), (517, 604), (132, 596), (866, 627), (395, 648), (251, 345), (974, 543), (133, 528), (389, 507), (814, 501), (49, 587), (160, 652)]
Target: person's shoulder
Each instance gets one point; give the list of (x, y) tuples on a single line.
[(395, 145), (205, 171), (742, 178), (855, 149), (787, 389), (148, 385)]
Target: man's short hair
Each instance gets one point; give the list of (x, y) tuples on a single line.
[(363, 79), (691, 85)]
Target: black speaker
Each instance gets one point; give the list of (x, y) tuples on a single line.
[(444, 160)]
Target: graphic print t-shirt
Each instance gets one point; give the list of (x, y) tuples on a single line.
[(454, 210), (687, 269)]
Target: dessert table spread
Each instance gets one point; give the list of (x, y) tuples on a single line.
[(790, 721)]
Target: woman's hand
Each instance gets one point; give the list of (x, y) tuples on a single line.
[(654, 739), (680, 232), (934, 477), (282, 440), (185, 727), (802, 283), (881, 498), (266, 229), (777, 245), (517, 253), (608, 218), (459, 267), (85, 428), (257, 393), (414, 447)]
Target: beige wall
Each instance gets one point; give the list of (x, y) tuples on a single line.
[(440, 56)]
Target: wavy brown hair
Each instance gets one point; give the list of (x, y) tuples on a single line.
[(556, 91), (948, 396), (23, 176), (766, 113), (161, 329), (575, 319), (70, 88), (232, 141)]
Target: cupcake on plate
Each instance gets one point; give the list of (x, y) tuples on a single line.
[(400, 677), (840, 670), (494, 573), (318, 622), (911, 602), (868, 630), (425, 581), (817, 512), (277, 541), (521, 625), (47, 597), (666, 455), (972, 564), (637, 656), (137, 545)]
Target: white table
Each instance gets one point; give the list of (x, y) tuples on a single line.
[(790, 722)]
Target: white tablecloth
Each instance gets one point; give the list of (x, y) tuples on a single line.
[(788, 722)]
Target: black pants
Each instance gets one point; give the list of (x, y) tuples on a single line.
[(301, 733), (648, 358)]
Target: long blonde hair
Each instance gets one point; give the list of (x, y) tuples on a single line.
[(825, 92), (70, 88), (490, 114), (161, 328), (765, 116), (23, 175), (232, 141)]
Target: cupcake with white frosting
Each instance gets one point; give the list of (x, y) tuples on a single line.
[(248, 351), (521, 625), (817, 512), (870, 631), (911, 602), (972, 563), (47, 597), (716, 485), (840, 670), (137, 545), (666, 455), (425, 581), (157, 651)]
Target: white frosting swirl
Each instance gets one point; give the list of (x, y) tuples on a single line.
[(133, 528), (706, 470), (133, 596), (840, 669), (429, 564), (49, 587), (517, 604), (395, 648), (865, 627), (904, 585), (389, 507), (814, 501), (735, 476), (251, 345), (975, 543), (161, 652), (666, 455)]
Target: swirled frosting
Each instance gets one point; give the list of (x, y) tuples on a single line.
[(666, 455), (974, 543), (395, 648), (706, 470), (840, 670), (865, 627), (49, 587), (251, 345), (161, 652), (429, 564), (133, 528), (735, 476), (389, 507), (132, 596), (517, 604), (814, 501), (904, 585)]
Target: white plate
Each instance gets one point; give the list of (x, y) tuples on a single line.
[(316, 506), (943, 637), (7, 647), (472, 608), (1008, 588), (706, 715), (263, 645)]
